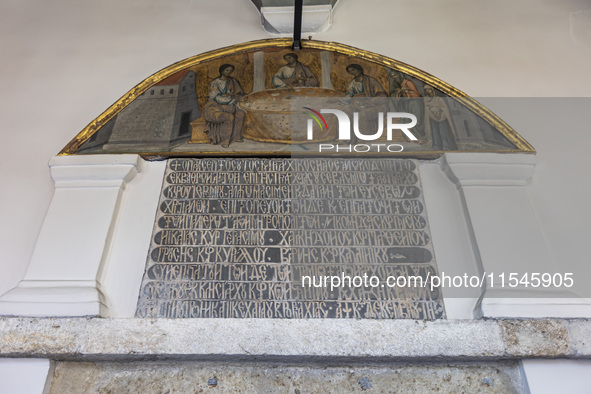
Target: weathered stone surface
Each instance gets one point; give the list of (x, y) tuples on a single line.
[(538, 338), (266, 337), (500, 377), (580, 337), (292, 339), (41, 336)]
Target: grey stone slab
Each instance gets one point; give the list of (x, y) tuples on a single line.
[(580, 337), (499, 377), (293, 339), (39, 336), (201, 338), (536, 338)]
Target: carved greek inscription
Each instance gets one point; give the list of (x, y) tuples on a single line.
[(266, 238)]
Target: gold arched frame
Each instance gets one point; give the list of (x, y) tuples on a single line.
[(521, 144)]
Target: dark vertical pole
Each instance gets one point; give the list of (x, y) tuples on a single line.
[(297, 25)]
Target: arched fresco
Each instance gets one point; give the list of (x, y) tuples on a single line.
[(261, 98)]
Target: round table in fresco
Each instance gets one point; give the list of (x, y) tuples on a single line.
[(279, 115)]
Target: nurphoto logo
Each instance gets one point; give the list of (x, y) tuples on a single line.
[(344, 130)]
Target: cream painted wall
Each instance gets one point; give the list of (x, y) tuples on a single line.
[(66, 61)]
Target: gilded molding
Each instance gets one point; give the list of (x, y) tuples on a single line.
[(522, 145)]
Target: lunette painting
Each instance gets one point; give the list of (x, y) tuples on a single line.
[(268, 100)]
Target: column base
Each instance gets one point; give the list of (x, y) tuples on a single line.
[(52, 298)]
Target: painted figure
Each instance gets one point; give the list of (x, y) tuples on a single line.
[(363, 85), (224, 120), (294, 74), (438, 121), (367, 97), (406, 98)]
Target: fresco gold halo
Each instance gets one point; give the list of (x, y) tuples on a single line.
[(281, 46)]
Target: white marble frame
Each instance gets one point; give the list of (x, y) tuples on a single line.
[(91, 253)]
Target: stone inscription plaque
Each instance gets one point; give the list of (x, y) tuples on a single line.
[(270, 238)]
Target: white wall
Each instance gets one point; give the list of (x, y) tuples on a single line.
[(557, 376), (560, 188), (66, 61)]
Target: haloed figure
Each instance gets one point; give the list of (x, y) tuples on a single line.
[(223, 118), (294, 74), (438, 121), (367, 97)]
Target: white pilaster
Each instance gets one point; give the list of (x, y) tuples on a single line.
[(25, 375), (451, 237), (507, 236), (75, 237)]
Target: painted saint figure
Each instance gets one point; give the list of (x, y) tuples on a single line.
[(294, 74), (438, 121), (363, 85), (223, 118), (406, 98), (367, 97)]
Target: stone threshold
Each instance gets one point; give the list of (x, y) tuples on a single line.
[(94, 338)]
